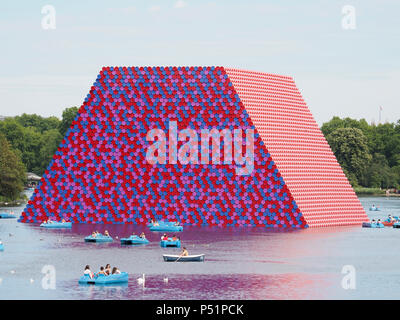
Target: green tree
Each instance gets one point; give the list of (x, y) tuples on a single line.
[(385, 140), (35, 139), (49, 144), (336, 123), (379, 174), (12, 171), (14, 133), (30, 154), (396, 173), (350, 147), (26, 142), (39, 123), (68, 116)]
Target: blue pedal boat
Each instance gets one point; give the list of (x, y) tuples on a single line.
[(56, 225), (1, 247), (98, 238), (372, 225), (374, 209), (134, 240), (166, 228), (103, 279), (170, 243), (7, 215), (162, 223), (396, 225)]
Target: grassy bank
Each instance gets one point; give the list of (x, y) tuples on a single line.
[(369, 191)]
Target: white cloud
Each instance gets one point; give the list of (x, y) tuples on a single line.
[(180, 4), (125, 10), (41, 80), (154, 8), (46, 95)]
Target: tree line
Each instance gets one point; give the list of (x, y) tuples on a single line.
[(368, 153), (27, 144)]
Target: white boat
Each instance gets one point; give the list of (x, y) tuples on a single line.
[(178, 258)]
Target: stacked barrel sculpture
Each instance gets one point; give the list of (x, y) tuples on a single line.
[(141, 148)]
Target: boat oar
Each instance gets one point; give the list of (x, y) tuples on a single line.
[(178, 258)]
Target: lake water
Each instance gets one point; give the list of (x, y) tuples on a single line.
[(241, 263)]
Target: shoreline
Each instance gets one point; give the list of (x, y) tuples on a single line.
[(376, 192), (392, 195), (364, 194), (14, 203)]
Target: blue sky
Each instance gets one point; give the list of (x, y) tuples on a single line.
[(339, 72)]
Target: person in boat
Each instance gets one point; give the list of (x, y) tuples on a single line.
[(373, 221), (88, 272), (155, 223), (133, 235), (164, 237), (94, 234), (177, 223), (142, 235), (102, 271), (379, 221), (184, 252), (390, 218), (174, 238), (106, 234), (107, 270), (115, 271), (63, 221)]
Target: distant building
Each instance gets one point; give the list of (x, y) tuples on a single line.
[(32, 178)]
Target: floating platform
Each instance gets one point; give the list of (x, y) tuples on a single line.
[(103, 279), (177, 258)]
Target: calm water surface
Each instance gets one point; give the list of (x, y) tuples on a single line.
[(248, 263)]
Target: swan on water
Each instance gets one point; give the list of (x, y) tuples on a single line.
[(141, 280)]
